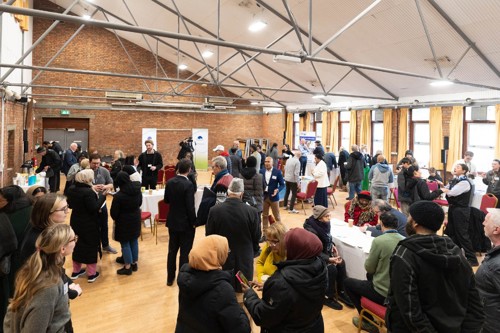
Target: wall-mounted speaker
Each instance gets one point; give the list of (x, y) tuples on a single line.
[(446, 143)]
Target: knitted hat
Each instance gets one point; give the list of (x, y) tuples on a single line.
[(365, 195), (319, 211), (427, 214)]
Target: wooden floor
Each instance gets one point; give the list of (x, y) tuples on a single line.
[(143, 303)]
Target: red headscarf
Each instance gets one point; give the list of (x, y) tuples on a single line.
[(302, 244)]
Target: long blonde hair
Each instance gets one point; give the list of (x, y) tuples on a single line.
[(43, 269)]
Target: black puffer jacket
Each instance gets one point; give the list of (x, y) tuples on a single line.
[(292, 298), (126, 211), (355, 167), (207, 303)]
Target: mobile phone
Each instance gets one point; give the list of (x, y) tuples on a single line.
[(242, 278)]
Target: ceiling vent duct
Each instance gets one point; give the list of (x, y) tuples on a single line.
[(122, 95), (219, 100)]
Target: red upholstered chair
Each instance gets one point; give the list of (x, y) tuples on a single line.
[(488, 201), (161, 217), (160, 182), (376, 310), (331, 190), (169, 172), (310, 191), (146, 216)]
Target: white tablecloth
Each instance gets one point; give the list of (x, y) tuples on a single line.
[(40, 181), (353, 245), (150, 201)]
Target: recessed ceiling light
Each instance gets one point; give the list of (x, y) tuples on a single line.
[(318, 96), (254, 103), (441, 83), (182, 67), (257, 26), (207, 54), (86, 17)]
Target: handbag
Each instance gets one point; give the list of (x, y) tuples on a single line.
[(49, 173), (5, 264)]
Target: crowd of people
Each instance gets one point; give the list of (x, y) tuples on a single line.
[(425, 280)]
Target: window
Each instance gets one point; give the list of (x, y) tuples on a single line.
[(296, 130), (480, 124), (345, 130), (378, 131), (317, 125), (420, 136)]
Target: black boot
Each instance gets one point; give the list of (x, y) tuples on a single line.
[(124, 271), (344, 298)]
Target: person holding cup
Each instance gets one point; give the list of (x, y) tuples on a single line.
[(319, 224), (377, 264)]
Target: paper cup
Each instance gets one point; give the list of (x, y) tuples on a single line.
[(351, 222), (143, 189), (264, 278), (150, 192), (368, 233)]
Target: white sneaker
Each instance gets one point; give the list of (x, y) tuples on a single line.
[(293, 211)]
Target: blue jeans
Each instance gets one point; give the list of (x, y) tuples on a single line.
[(354, 188), (130, 251), (303, 164), (379, 193)]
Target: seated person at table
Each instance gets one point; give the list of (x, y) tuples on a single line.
[(434, 176), (319, 224), (292, 298), (273, 252), (359, 209), (380, 207), (377, 268)]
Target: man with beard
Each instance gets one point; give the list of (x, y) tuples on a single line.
[(432, 286), (360, 210)]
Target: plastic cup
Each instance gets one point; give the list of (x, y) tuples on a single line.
[(143, 189), (351, 223), (368, 233), (150, 191)]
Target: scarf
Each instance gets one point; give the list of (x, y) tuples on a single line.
[(217, 178), (366, 216), (322, 230)]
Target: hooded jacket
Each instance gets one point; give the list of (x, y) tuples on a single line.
[(381, 175), (432, 288), (292, 298), (207, 303), (355, 167)]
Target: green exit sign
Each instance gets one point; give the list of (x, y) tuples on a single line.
[(65, 112)]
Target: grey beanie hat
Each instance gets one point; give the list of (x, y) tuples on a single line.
[(319, 211)]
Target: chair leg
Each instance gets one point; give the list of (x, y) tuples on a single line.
[(331, 200), (303, 207), (335, 200), (151, 224)]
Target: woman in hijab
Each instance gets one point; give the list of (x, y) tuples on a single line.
[(207, 302), (292, 298), (35, 192)]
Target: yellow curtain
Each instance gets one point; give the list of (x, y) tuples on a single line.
[(289, 129), (22, 19), (365, 130), (334, 131), (325, 134), (387, 134), (352, 135), (302, 123), (308, 121), (456, 136), (497, 142), (436, 137), (403, 133)]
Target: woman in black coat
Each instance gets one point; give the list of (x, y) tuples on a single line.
[(292, 298), (85, 204), (207, 303), (126, 212)]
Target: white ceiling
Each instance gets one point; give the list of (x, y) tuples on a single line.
[(390, 37)]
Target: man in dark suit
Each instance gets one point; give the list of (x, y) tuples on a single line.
[(181, 219), (273, 183), (239, 223)]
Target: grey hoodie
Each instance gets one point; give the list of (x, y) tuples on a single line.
[(381, 175)]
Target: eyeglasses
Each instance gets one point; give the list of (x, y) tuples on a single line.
[(64, 209), (75, 239), (273, 243)]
